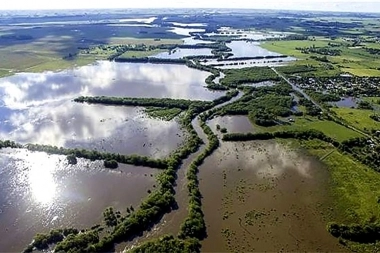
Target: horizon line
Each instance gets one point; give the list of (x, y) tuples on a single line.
[(188, 8)]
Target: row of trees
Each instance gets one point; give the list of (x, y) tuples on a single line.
[(130, 101), (293, 134), (96, 155)]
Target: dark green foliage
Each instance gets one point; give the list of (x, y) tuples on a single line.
[(194, 226), (42, 241), (262, 104), (71, 159), (151, 60), (365, 105), (375, 117), (234, 77), (323, 97), (223, 130), (96, 155), (127, 101), (362, 233), (110, 164), (109, 217), (311, 109), (9, 144), (320, 50), (365, 150), (293, 69), (303, 135), (263, 118), (78, 242), (163, 113), (169, 244)]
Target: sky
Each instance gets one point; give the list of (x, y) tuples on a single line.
[(321, 5)]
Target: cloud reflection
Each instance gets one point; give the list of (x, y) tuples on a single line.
[(37, 107)]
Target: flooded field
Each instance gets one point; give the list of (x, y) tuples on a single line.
[(248, 48), (264, 197), (38, 107), (125, 130), (183, 52), (238, 64), (347, 102), (40, 192), (107, 79), (233, 124)]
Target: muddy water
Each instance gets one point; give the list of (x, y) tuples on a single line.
[(171, 222), (39, 192), (124, 130), (233, 124), (259, 196)]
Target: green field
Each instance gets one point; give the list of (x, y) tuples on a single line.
[(48, 53), (354, 186), (330, 128), (357, 118), (355, 60)]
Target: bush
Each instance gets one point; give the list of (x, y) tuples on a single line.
[(111, 164), (72, 159)]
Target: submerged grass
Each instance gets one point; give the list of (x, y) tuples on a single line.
[(163, 113), (354, 186)]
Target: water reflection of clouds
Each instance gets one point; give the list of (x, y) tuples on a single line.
[(269, 160), (105, 78), (105, 128), (37, 107)]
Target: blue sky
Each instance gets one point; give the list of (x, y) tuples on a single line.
[(332, 5)]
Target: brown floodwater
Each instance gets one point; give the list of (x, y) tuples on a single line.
[(261, 196), (171, 223), (39, 192)]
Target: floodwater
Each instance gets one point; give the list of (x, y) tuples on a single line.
[(193, 41), (245, 34), (186, 31), (262, 197), (37, 107), (233, 124), (115, 129), (249, 49), (178, 53), (107, 79), (188, 24), (40, 192), (347, 102), (238, 64)]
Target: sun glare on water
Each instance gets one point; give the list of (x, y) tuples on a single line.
[(41, 180)]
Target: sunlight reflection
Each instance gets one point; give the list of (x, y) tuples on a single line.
[(41, 179)]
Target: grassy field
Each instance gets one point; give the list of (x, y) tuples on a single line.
[(330, 128), (354, 60), (354, 186), (47, 54), (357, 118)]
